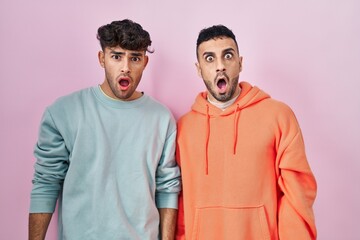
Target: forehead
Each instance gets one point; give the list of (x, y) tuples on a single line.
[(217, 45)]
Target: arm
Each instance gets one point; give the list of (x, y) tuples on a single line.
[(297, 187), (167, 188), (38, 224), (50, 170), (167, 223)]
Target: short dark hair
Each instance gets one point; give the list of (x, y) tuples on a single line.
[(214, 32), (126, 34)]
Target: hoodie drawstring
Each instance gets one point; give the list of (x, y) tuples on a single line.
[(207, 140), (236, 121)]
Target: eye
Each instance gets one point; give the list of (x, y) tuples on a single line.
[(228, 56), (116, 57), (209, 58), (135, 59)]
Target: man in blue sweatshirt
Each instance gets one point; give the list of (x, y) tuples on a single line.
[(107, 153)]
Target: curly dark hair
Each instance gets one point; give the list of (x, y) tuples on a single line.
[(214, 32), (126, 34)]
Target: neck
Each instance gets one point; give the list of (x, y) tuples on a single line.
[(224, 105)]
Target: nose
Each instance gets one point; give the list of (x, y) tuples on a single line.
[(220, 66), (125, 67)]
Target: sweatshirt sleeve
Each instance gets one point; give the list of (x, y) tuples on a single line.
[(50, 167), (297, 185), (168, 183)]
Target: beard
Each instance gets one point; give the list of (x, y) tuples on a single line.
[(113, 84), (222, 97)]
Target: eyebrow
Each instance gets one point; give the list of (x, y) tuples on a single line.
[(208, 53), (135, 54), (117, 53), (230, 49)]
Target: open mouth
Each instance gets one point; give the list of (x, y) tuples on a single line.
[(221, 84), (124, 82)]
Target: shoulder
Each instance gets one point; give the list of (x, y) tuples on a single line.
[(185, 117), (276, 107), (70, 103), (280, 113), (72, 99), (190, 120), (159, 112), (157, 106)]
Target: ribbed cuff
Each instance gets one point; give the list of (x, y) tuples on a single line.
[(167, 200), (42, 205)]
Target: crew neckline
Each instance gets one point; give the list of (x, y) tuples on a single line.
[(116, 103)]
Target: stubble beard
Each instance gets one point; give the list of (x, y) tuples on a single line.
[(233, 83)]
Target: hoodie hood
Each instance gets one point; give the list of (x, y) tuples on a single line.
[(249, 96)]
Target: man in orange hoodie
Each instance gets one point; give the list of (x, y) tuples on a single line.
[(244, 169)]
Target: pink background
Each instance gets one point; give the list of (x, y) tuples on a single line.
[(305, 53)]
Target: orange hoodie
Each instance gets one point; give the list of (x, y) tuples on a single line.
[(244, 171)]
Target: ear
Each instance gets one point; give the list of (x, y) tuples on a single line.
[(101, 57), (240, 62), (198, 68), (146, 60)]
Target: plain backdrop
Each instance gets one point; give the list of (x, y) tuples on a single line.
[(304, 53)]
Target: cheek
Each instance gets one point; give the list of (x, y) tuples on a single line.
[(109, 69), (208, 72), (234, 69), (138, 70)]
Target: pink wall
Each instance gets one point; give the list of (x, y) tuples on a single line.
[(306, 54)]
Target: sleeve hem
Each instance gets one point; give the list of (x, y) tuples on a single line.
[(167, 200), (42, 206)]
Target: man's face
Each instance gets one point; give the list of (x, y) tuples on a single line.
[(123, 71), (219, 65)]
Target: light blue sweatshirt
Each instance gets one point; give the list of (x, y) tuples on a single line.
[(110, 162)]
